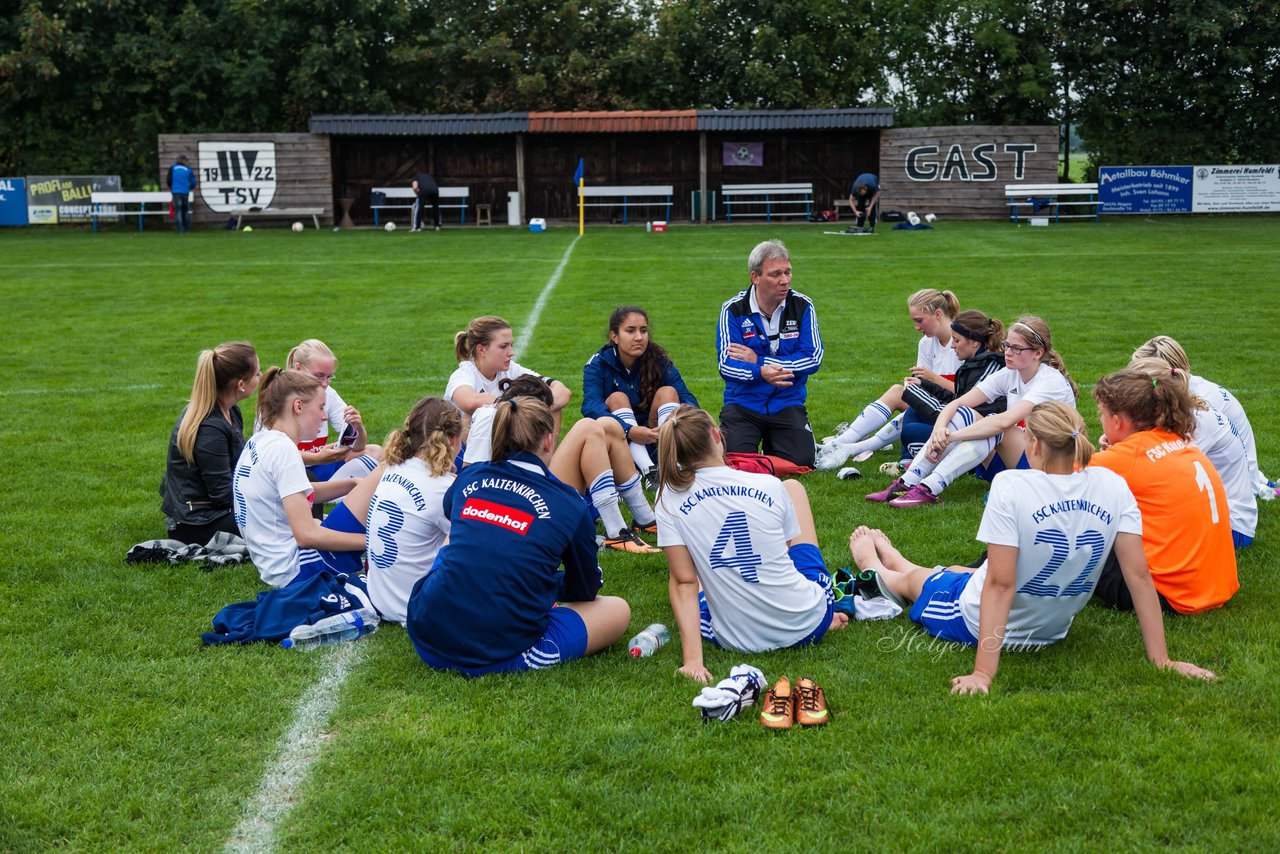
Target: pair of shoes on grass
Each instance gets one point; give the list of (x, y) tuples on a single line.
[(899, 495), (629, 540), (785, 706)]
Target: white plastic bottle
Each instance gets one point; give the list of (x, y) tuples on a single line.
[(647, 642), (346, 626)]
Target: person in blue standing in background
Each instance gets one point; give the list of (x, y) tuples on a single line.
[(768, 345), (864, 198), (182, 183)]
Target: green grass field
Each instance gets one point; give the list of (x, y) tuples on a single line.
[(120, 731)]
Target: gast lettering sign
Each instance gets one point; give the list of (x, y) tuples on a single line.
[(922, 162), (237, 174)]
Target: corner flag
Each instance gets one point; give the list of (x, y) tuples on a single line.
[(578, 177)]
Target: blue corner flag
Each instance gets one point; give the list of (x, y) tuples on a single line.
[(578, 174)]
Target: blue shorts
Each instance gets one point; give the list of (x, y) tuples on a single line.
[(989, 472), (564, 640), (809, 563), (1239, 540), (312, 562), (938, 608)]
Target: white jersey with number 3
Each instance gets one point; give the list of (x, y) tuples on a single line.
[(736, 526), (406, 528), (1063, 526)]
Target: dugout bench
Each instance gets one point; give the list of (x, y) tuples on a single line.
[(402, 198), (775, 199), (627, 197), (109, 205), (1037, 197)]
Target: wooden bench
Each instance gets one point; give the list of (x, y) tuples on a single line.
[(627, 197), (776, 199), (107, 205), (278, 213), (1054, 196), (389, 193)]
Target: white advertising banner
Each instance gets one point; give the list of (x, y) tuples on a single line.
[(1223, 189)]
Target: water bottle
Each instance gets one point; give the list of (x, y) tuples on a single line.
[(346, 626), (648, 641)]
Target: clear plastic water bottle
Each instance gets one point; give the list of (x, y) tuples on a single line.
[(648, 641), (346, 626)]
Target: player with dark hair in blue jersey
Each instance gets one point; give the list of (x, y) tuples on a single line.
[(520, 541)]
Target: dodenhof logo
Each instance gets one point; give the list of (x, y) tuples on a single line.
[(237, 175)]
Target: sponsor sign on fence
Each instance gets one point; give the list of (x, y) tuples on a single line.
[(13, 201), (54, 199), (1144, 189), (1188, 189)]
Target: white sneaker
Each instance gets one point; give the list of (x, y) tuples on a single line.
[(831, 457)]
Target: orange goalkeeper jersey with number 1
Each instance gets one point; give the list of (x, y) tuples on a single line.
[(1186, 526)]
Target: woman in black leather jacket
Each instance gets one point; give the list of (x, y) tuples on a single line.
[(206, 444)]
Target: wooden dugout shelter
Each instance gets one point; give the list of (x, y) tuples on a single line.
[(535, 154)]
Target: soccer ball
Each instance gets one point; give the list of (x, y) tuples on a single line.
[(913, 218), (297, 228), (391, 226), (930, 217)]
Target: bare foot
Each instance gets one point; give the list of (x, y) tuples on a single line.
[(838, 621), (885, 551), (863, 548)]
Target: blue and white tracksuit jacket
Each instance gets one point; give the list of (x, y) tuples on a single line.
[(604, 374), (799, 351)]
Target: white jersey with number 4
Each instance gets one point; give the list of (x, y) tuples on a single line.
[(1063, 526), (406, 528), (736, 526)]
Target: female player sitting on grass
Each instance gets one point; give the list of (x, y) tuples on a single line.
[(591, 459), (344, 458), (485, 357), (963, 437), (273, 495), (631, 384), (932, 313), (1165, 348), (519, 542), (205, 444), (406, 522), (747, 539), (1186, 528), (1223, 447), (1047, 530)]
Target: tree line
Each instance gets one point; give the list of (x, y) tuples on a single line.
[(86, 85)]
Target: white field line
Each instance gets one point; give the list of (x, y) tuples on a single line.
[(526, 330), (303, 741), (298, 749), (15, 392)]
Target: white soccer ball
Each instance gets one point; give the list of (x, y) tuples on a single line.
[(391, 226), (297, 227), (930, 217), (913, 218)]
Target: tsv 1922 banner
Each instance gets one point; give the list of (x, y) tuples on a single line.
[(237, 174), (1144, 189)]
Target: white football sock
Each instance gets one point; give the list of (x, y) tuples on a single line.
[(664, 412), (874, 416), (633, 493), (884, 437), (959, 458), (604, 495)]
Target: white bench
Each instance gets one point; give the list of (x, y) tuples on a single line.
[(627, 196), (108, 205), (776, 199), (278, 213), (389, 193), (1055, 196)]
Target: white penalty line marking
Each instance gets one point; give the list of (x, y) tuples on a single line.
[(526, 331), (298, 749), (15, 392), (301, 744)]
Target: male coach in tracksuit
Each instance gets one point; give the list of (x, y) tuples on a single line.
[(768, 345), (182, 183)]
